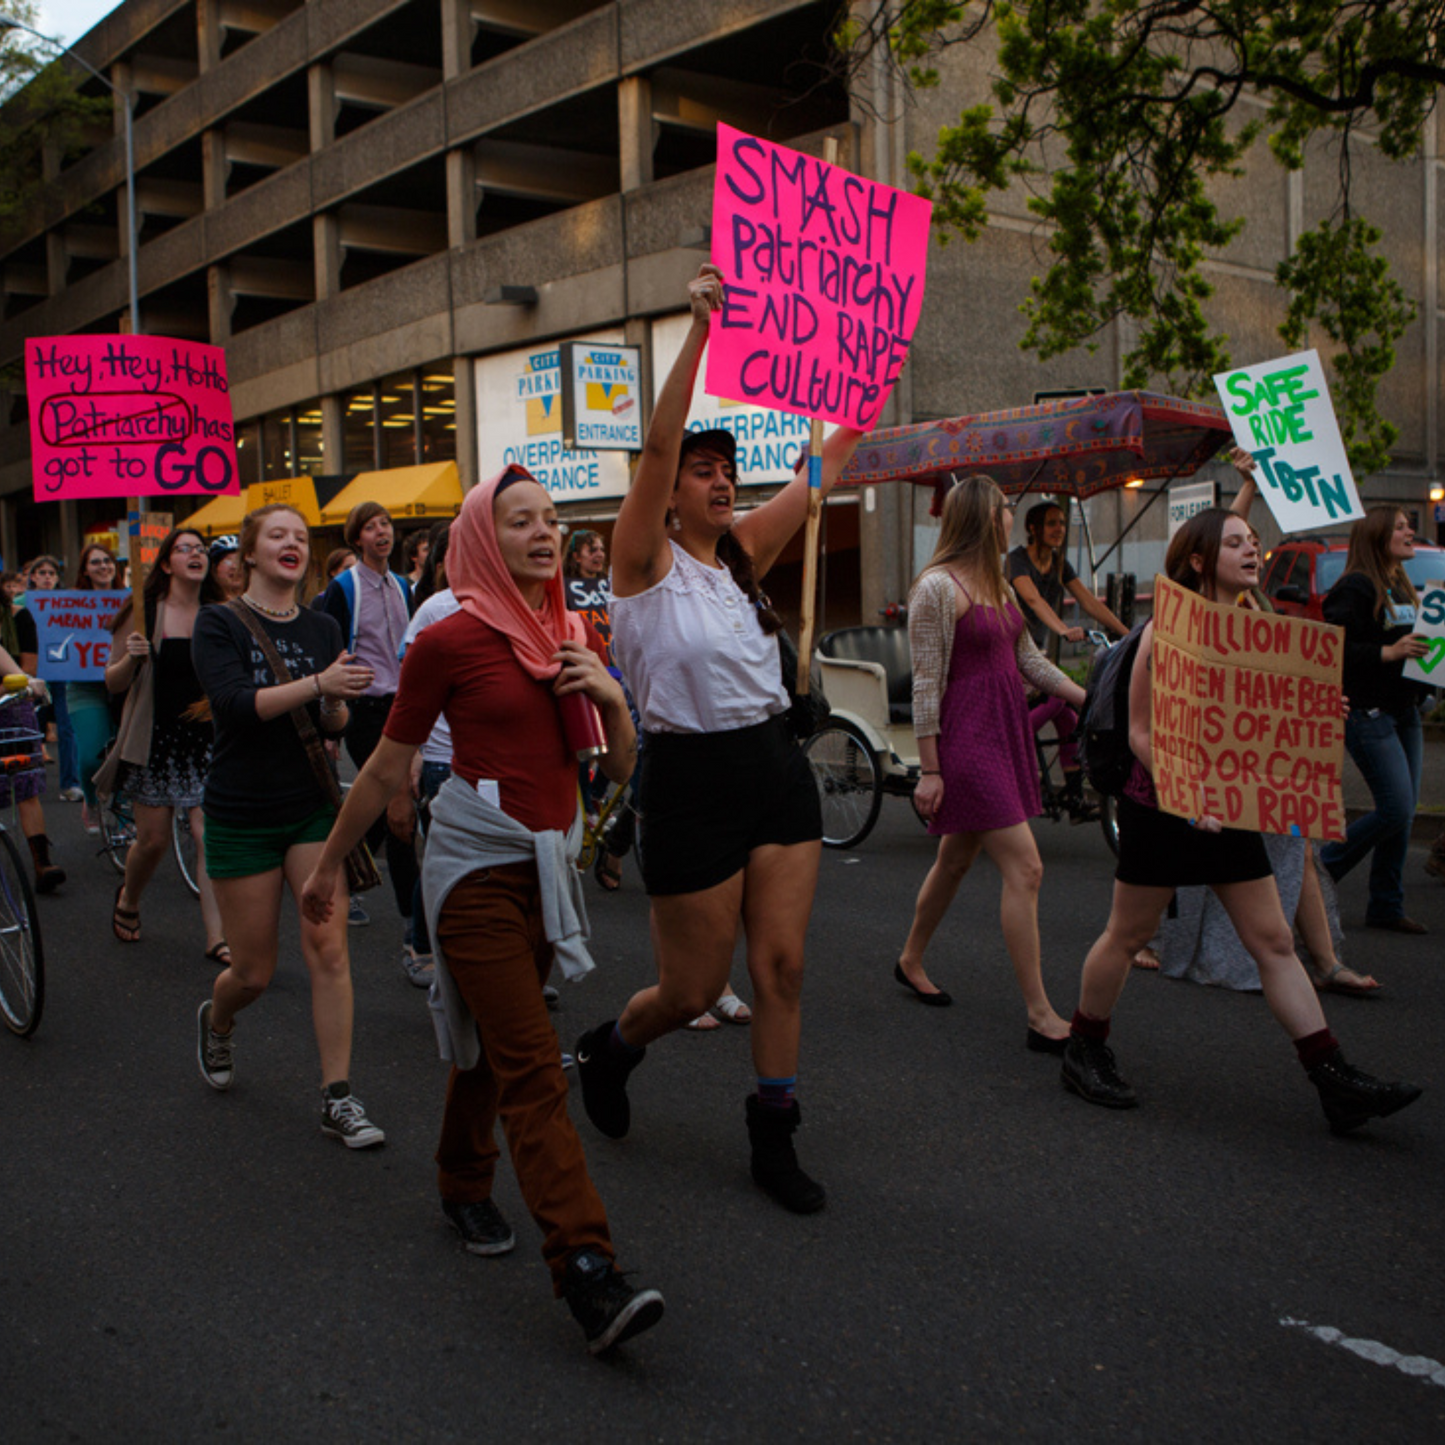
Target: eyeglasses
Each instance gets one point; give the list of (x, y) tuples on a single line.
[(187, 549)]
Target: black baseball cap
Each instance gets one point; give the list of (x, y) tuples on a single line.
[(715, 439)]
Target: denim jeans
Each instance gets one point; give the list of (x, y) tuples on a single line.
[(1387, 749)]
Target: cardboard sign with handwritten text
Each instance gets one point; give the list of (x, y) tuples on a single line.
[(1248, 722)]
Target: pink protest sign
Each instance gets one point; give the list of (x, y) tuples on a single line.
[(128, 416), (824, 274)]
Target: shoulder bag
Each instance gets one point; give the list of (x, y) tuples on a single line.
[(361, 872)]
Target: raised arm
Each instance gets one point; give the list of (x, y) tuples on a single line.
[(766, 530), (1243, 463), (639, 540)]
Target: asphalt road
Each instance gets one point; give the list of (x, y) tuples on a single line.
[(997, 1259)]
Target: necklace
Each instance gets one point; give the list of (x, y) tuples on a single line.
[(281, 614)]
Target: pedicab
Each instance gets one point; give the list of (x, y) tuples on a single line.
[(1074, 448)]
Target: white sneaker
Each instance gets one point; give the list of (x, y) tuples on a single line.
[(344, 1117)]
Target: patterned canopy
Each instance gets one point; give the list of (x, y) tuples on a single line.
[(1071, 448)]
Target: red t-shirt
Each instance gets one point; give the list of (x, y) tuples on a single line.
[(506, 726)]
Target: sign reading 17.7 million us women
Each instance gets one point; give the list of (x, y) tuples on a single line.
[(129, 416)]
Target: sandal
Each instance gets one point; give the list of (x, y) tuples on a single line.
[(733, 1009), (609, 874), (220, 954), (703, 1023), (1360, 987), (125, 922)]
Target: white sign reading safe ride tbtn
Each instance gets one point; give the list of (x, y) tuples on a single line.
[(1281, 412)]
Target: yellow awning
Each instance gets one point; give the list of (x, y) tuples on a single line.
[(298, 492), (218, 517), (434, 490)]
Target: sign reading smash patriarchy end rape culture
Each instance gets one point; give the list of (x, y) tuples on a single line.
[(824, 276), (1281, 412), (129, 416), (73, 632), (1430, 623), (1248, 722)]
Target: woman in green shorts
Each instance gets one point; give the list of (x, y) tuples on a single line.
[(267, 814)]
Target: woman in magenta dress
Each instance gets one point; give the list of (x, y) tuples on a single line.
[(979, 786)]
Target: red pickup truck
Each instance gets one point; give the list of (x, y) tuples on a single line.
[(1297, 574)]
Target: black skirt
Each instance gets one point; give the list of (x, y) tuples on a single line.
[(1158, 850)]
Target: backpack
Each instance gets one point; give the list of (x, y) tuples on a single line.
[(1104, 751)]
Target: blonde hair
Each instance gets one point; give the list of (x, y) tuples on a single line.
[(1370, 556), (968, 539)]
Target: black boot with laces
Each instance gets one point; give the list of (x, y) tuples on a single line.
[(1089, 1072), (1350, 1097)]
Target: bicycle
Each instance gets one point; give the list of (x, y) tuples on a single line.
[(117, 833), (22, 955)]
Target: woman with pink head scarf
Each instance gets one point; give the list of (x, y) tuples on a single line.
[(502, 897)]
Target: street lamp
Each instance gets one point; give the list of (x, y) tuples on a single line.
[(127, 100)]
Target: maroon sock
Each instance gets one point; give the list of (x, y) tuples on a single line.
[(1096, 1031), (1316, 1048)]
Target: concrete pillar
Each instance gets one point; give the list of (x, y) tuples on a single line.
[(635, 134), (464, 388), (209, 34), (213, 168), (332, 441), (326, 250), (456, 37), (321, 98), (461, 197), (221, 303)]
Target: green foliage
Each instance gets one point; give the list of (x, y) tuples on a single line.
[(39, 106), (1119, 117)]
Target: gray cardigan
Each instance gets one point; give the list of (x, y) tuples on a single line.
[(468, 834)]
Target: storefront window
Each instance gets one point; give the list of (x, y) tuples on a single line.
[(397, 412), (248, 452), (310, 458), (438, 416), (358, 429), (276, 450)]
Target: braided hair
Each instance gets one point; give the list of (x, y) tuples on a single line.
[(739, 561)]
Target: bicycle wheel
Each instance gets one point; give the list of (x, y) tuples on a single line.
[(22, 961), (850, 783), (183, 845), (117, 830), (1109, 821)]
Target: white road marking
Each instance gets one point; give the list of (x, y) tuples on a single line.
[(1420, 1366)]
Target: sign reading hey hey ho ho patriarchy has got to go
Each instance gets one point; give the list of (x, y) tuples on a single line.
[(824, 275), (1248, 723), (601, 397), (1281, 412), (519, 422), (129, 416)]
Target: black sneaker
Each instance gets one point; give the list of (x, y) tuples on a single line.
[(343, 1116), (1089, 1072), (213, 1051), (480, 1225), (603, 1072), (1350, 1097), (604, 1304)]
